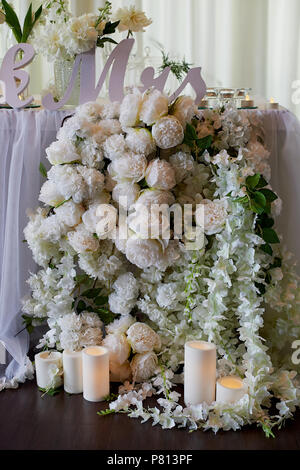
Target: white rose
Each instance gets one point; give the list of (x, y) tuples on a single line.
[(143, 252), (143, 366), (142, 338), (215, 215), (114, 146), (155, 196), (120, 372), (62, 152), (167, 132), (50, 194), (160, 174), (82, 240), (120, 325), (130, 166), (154, 106), (130, 109), (118, 347), (69, 213), (131, 19), (183, 164), (184, 109), (140, 141), (126, 194)]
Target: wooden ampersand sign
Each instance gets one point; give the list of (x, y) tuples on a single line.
[(15, 80)]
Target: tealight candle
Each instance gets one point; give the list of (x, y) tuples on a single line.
[(199, 372), (204, 104), (95, 373), (45, 364), (72, 364), (230, 389), (272, 104), (247, 103)]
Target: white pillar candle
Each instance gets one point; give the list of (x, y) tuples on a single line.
[(199, 372), (230, 389), (46, 364), (95, 373), (272, 104), (72, 364)]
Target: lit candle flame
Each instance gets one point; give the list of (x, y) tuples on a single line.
[(272, 100), (247, 98)]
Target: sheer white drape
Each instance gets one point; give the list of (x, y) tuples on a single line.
[(239, 43)]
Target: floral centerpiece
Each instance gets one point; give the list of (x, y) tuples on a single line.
[(143, 297)]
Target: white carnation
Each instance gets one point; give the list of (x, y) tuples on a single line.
[(143, 366), (93, 179), (143, 253), (142, 338), (131, 167), (81, 240), (62, 152), (114, 146), (90, 111), (160, 174), (140, 140), (69, 213), (154, 106), (167, 132), (127, 286), (131, 19), (69, 182), (118, 347)]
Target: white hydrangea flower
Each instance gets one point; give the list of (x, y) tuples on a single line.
[(154, 106), (118, 347), (140, 140), (142, 338), (130, 109), (120, 305), (184, 109), (131, 167), (124, 297), (81, 240), (126, 194), (160, 174), (131, 19), (114, 146), (167, 132), (120, 372), (143, 366), (120, 325), (183, 164), (62, 152)]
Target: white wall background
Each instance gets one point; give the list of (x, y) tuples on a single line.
[(238, 43)]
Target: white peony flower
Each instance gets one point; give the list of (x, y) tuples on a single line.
[(142, 338), (160, 174), (69, 182), (50, 194), (143, 253), (69, 213), (183, 164), (107, 221), (130, 109), (155, 196), (143, 366), (118, 347), (131, 167), (93, 179), (131, 19), (167, 132), (184, 109), (90, 111), (126, 194), (114, 146), (81, 240), (120, 373), (215, 215), (154, 106), (62, 152), (140, 140), (120, 325)]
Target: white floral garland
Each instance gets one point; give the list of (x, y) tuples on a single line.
[(212, 293)]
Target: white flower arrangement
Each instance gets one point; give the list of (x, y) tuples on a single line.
[(154, 294)]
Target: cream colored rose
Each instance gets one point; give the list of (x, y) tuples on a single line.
[(167, 132), (215, 215), (140, 140), (154, 106), (120, 373), (160, 174), (131, 19), (184, 109), (118, 347), (143, 366), (131, 167), (62, 152), (142, 338)]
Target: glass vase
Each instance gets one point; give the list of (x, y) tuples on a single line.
[(62, 76)]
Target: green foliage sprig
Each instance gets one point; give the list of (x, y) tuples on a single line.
[(178, 68), (12, 21), (197, 145)]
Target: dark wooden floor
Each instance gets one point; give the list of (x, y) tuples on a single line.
[(69, 422)]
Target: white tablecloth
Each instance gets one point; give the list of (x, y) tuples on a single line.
[(24, 135)]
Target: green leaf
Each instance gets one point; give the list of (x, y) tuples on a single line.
[(28, 323), (252, 181), (270, 236), (262, 183), (276, 264), (205, 142), (269, 195), (37, 14), (110, 27), (264, 221), (105, 412), (143, 184), (267, 249), (190, 135), (91, 293), (12, 20), (260, 199), (261, 288), (241, 200), (81, 278), (101, 300), (101, 41), (81, 306), (43, 170), (105, 315), (256, 207), (50, 391), (27, 27), (61, 203)]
